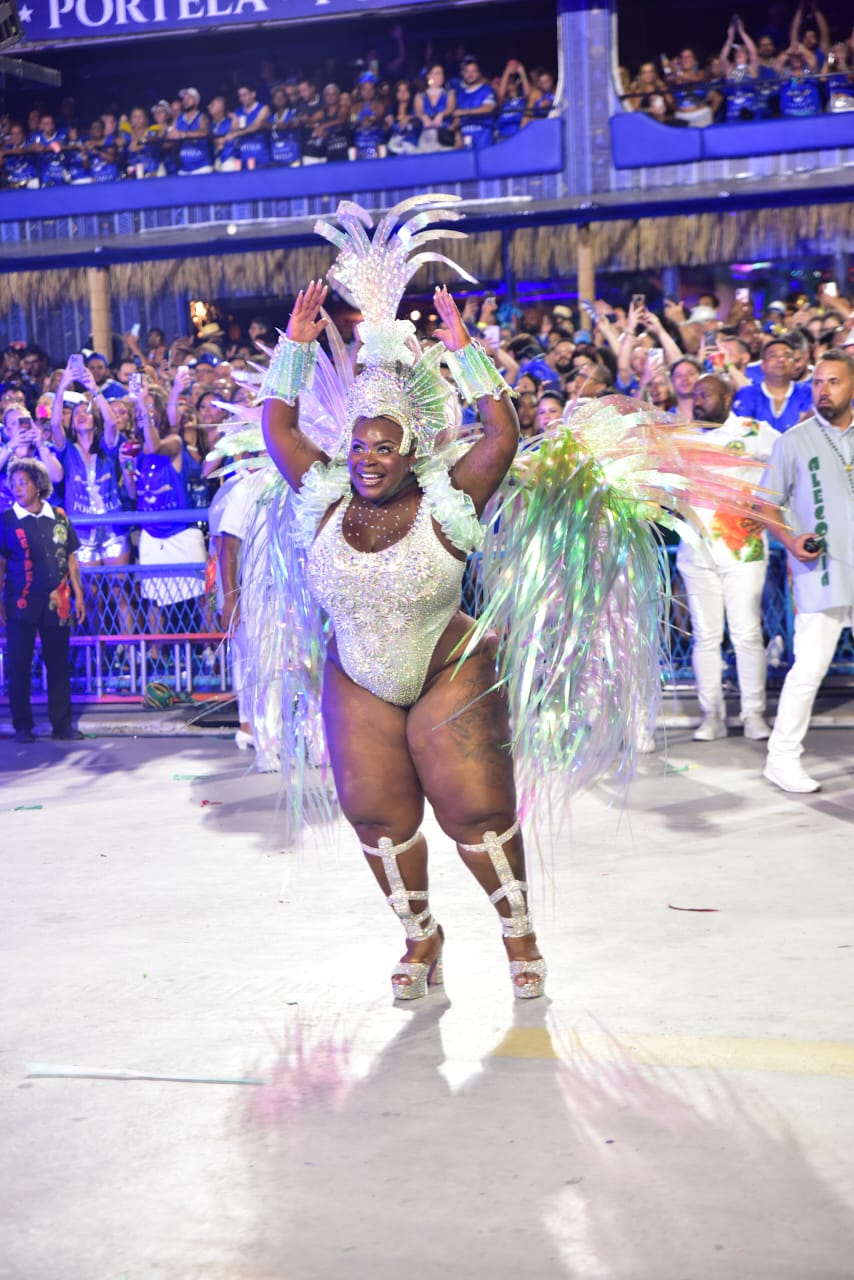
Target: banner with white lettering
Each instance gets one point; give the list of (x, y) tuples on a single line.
[(48, 22)]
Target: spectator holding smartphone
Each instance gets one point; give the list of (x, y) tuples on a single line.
[(89, 456), (23, 438), (513, 94)]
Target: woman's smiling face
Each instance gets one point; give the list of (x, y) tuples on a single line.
[(377, 468)]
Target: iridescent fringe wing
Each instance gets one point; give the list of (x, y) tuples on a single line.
[(286, 644), (285, 628), (575, 584)]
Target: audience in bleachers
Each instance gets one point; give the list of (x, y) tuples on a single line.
[(749, 80), (283, 124)]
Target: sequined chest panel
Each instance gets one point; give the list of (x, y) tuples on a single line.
[(388, 608)]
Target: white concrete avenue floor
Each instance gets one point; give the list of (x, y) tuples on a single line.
[(681, 1107)]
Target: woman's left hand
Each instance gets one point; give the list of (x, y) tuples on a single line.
[(453, 332)]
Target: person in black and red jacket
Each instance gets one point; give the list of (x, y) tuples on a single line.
[(39, 572)]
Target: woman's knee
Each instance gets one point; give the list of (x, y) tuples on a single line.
[(398, 830), (471, 827)]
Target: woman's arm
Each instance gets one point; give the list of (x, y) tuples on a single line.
[(60, 439), (668, 346), (179, 385), (480, 471), (111, 431), (51, 462), (627, 346), (291, 449), (727, 48), (752, 52)]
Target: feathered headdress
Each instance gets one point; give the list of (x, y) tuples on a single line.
[(371, 273)]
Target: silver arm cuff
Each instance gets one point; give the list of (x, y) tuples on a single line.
[(475, 374), (291, 369)]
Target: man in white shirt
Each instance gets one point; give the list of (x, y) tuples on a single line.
[(724, 578), (812, 471)]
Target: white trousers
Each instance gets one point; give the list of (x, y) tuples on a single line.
[(732, 592), (816, 638)]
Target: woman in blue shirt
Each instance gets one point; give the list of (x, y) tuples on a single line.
[(513, 94), (402, 123), (435, 108)]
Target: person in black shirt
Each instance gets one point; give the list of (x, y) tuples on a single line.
[(39, 572)]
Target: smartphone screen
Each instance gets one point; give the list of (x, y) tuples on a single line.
[(742, 295), (830, 290)]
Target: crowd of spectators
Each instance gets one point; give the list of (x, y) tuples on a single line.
[(298, 121), (96, 421), (749, 79), (140, 430)]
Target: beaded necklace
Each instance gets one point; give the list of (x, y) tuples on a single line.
[(387, 521)]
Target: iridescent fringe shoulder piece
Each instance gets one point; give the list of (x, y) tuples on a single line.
[(575, 584)]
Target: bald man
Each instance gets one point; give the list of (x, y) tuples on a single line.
[(724, 577)]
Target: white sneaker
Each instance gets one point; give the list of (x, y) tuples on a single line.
[(645, 743), (756, 729), (710, 729), (789, 775)]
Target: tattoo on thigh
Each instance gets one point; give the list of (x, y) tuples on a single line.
[(480, 731)]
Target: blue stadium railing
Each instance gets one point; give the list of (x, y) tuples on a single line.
[(128, 641)]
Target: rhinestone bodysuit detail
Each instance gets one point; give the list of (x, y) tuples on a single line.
[(388, 608)]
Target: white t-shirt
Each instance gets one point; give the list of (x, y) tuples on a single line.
[(728, 540)]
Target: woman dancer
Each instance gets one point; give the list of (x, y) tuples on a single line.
[(403, 724), (372, 527)]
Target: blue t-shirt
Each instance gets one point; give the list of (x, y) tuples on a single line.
[(433, 109), (103, 170), (91, 492), (284, 137), (839, 86), (254, 146), (52, 167), (368, 133), (754, 402), (159, 487), (799, 96), (20, 169), (476, 128), (193, 153), (408, 131), (221, 129), (542, 105), (510, 114), (742, 98)]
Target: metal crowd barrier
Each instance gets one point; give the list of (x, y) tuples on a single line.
[(128, 640)]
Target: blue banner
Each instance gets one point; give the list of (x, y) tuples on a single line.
[(48, 22)]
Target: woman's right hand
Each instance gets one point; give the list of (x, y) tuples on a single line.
[(304, 324)]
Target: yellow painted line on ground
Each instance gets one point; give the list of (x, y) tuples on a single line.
[(719, 1053)]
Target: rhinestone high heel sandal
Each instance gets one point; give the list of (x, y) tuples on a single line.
[(418, 927), (518, 924)]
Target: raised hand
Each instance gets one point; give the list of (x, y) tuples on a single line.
[(304, 325), (453, 332)]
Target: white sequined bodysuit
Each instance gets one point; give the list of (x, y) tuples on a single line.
[(388, 608)]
